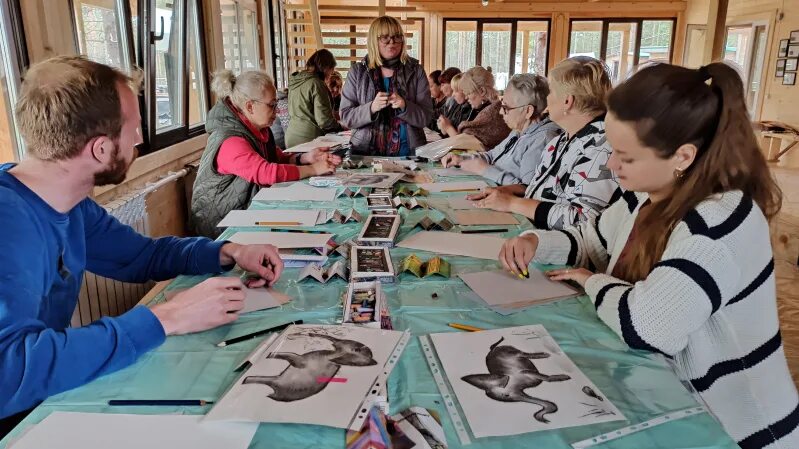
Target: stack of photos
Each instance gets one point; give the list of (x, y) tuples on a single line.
[(369, 263), (380, 230)]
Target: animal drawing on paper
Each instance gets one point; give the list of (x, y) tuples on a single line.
[(308, 374), (511, 371)]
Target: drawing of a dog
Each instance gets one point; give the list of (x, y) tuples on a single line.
[(511, 372), (309, 373)]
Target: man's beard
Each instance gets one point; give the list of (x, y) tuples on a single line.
[(116, 173)]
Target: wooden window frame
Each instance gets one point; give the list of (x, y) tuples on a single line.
[(639, 21)]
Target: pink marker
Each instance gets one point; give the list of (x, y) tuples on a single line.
[(325, 380)]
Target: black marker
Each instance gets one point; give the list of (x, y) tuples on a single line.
[(256, 334)]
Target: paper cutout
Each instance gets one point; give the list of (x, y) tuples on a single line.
[(127, 431), (255, 299), (499, 288), (337, 216), (471, 245), (350, 164), (484, 217), (409, 203), (406, 190), (283, 240), (315, 271), (381, 180), (290, 382), (433, 266), (351, 192), (521, 374), (429, 224), (296, 192)]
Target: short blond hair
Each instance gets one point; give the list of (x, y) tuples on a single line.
[(478, 79), (249, 85), (586, 79), (455, 82), (384, 26), (68, 100)]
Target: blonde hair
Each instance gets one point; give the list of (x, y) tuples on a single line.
[(478, 79), (384, 26), (68, 100), (247, 86), (584, 78), (335, 78), (455, 82)]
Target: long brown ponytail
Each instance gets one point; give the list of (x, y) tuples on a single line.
[(672, 106)]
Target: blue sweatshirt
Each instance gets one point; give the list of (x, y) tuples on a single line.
[(43, 254)]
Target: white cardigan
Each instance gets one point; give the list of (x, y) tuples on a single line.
[(710, 303)]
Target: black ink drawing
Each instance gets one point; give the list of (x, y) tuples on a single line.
[(512, 372), (309, 373), (590, 392), (598, 409)]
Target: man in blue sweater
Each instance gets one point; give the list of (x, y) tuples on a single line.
[(81, 125)]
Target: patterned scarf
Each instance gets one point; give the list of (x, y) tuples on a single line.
[(386, 128)]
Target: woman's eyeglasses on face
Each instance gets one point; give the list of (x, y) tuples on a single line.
[(399, 38), (505, 108), (271, 105)]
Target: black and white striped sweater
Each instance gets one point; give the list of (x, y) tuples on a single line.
[(710, 303)]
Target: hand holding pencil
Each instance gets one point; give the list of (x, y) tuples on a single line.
[(517, 253)]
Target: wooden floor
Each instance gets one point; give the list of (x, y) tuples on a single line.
[(785, 240)]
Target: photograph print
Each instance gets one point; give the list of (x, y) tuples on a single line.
[(521, 374), (783, 49), (379, 227), (298, 380)]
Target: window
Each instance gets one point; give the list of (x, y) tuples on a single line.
[(622, 44), (278, 42), (11, 59), (507, 46), (745, 49), (175, 100), (240, 35)]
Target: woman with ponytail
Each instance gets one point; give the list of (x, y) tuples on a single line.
[(682, 263), (386, 100)]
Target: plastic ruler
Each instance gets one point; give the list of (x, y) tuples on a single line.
[(624, 431), (449, 398)]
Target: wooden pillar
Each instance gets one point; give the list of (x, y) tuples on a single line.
[(381, 8), (316, 24), (624, 57), (680, 31), (716, 31), (525, 51), (559, 38)]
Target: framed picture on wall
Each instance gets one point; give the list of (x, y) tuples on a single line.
[(781, 64), (780, 73), (783, 51), (791, 64), (795, 37), (793, 51), (789, 79)]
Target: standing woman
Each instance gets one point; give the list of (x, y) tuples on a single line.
[(487, 125), (310, 106), (241, 156), (386, 99), (682, 263)]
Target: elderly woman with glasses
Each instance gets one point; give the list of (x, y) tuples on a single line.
[(241, 156), (386, 100), (487, 125), (515, 159)]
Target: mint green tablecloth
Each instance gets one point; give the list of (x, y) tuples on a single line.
[(640, 384)]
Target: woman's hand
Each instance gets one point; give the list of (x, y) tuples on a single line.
[(446, 127), (517, 253), (496, 200), (320, 154), (451, 160), (323, 167), (380, 102), (476, 165), (481, 194), (396, 101), (578, 275)]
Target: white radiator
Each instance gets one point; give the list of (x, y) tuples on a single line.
[(101, 296)]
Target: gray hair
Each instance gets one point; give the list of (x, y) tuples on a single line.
[(247, 86), (533, 89)]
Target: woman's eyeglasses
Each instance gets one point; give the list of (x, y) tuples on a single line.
[(272, 105), (505, 108), (399, 38)]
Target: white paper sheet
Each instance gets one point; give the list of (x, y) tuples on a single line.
[(534, 385), (296, 192), (484, 217), (449, 172), (325, 386), (471, 245), (282, 240), (262, 299), (437, 187), (500, 288), (72, 430), (321, 141), (280, 216), (376, 180)]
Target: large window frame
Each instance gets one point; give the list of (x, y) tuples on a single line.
[(638, 21), (14, 57), (513, 37), (278, 40), (138, 49)]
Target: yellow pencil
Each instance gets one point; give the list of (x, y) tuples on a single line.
[(464, 327), (277, 223), (460, 190)]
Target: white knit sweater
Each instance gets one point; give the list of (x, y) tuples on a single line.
[(710, 303)]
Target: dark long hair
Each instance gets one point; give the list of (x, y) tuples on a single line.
[(434, 75), (671, 106), (320, 62)]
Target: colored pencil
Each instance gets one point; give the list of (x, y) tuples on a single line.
[(481, 231), (278, 223), (156, 402), (465, 327), (256, 334)]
